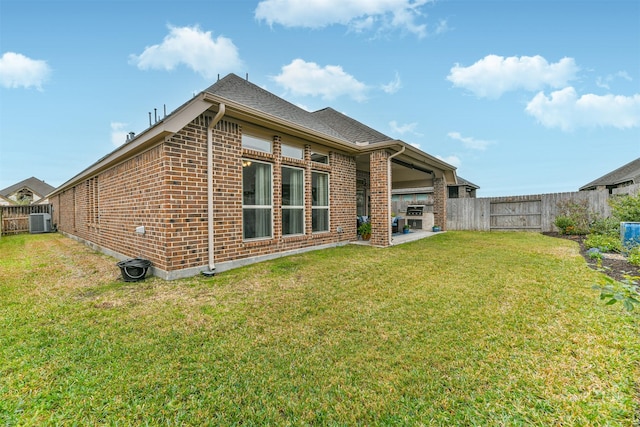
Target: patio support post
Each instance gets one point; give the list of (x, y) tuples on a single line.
[(379, 166), (440, 202)]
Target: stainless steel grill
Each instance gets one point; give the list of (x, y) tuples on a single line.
[(417, 218)]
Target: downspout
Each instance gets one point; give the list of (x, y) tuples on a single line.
[(389, 187), (212, 123)]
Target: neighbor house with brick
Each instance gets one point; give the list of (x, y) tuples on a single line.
[(238, 175)]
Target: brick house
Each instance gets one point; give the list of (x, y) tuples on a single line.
[(238, 175)]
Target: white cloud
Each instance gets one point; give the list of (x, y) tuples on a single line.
[(17, 70), (303, 78), (442, 27), (358, 15), (603, 82), (470, 142), (564, 109), (494, 75), (452, 160), (118, 133), (393, 86), (405, 128), (192, 47)]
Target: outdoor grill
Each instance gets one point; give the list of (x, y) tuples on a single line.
[(418, 218)]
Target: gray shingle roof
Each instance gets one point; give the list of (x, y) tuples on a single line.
[(242, 91), (327, 121), (627, 173), (350, 129), (34, 184), (462, 181)]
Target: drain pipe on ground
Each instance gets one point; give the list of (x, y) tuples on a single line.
[(389, 187), (212, 123)]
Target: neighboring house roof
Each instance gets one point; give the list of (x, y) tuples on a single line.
[(37, 186), (5, 202), (627, 174), (462, 181)]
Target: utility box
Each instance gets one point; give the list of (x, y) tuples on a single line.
[(630, 234), (39, 223)]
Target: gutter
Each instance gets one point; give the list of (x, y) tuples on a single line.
[(212, 123)]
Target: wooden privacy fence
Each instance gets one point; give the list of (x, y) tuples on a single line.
[(15, 219), (519, 213)]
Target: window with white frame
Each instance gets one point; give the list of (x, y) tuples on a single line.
[(257, 206), (255, 143), (292, 201), (319, 157), (320, 201), (292, 151)]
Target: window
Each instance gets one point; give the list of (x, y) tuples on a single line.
[(319, 157), (292, 201), (256, 200), (255, 143), (292, 152), (320, 201), (453, 192), (422, 197)]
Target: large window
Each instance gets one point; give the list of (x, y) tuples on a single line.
[(320, 201), (292, 201), (256, 200)]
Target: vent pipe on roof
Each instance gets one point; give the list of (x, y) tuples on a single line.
[(149, 118)]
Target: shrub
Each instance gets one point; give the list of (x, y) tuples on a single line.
[(634, 256), (606, 226), (604, 242), (565, 224), (625, 291), (626, 207), (573, 217)]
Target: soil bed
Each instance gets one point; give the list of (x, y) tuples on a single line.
[(615, 265)]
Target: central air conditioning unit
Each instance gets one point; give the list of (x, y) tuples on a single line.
[(39, 223)]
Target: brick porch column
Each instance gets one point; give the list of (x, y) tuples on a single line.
[(380, 196), (440, 202)]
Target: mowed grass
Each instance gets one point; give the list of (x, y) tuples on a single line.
[(461, 328)]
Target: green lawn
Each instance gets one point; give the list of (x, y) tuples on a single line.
[(461, 328)]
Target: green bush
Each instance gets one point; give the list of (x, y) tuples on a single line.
[(565, 224), (626, 207), (573, 217), (634, 256), (606, 226), (604, 242)]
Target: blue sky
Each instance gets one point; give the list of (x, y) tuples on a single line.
[(524, 97)]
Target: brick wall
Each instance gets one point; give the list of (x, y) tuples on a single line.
[(440, 202), (380, 196), (164, 189)]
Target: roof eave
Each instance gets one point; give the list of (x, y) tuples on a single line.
[(239, 111), (148, 138)]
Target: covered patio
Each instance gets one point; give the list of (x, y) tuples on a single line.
[(390, 165)]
